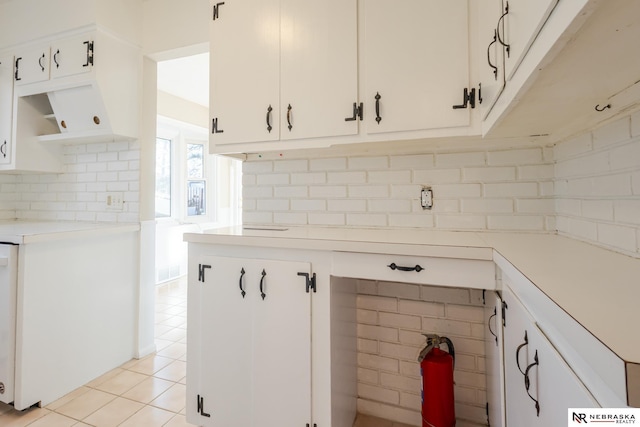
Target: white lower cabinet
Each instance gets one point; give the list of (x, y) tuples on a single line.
[(249, 343), (495, 360), (540, 385)]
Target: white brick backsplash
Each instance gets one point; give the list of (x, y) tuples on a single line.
[(635, 124), (412, 221), (369, 191), (273, 179), (536, 172), (389, 177), (335, 164), (618, 236), (290, 218), (612, 133), (519, 189), (584, 165), (389, 205), (79, 193), (406, 191), (399, 351), (574, 147), (382, 363), (404, 290), (489, 174), (347, 177), (583, 229), (304, 205), (457, 190), (461, 222), (515, 157), (290, 192), (249, 179), (256, 192), (367, 220), (368, 163), (291, 166), (326, 219), (420, 308), (598, 209), (457, 159), (273, 205), (328, 191), (541, 206), (437, 176), (347, 205), (627, 211), (400, 320), (371, 302), (308, 178), (257, 167), (612, 185), (626, 156), (487, 205), (420, 161), (520, 222)]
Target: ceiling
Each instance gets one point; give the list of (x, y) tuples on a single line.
[(186, 77)]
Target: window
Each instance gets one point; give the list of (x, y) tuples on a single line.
[(163, 178), (196, 184)]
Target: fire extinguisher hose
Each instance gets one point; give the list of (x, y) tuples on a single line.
[(452, 351)]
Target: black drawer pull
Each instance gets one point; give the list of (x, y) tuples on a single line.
[(262, 294), (242, 292), (495, 313), (495, 69), (394, 266)]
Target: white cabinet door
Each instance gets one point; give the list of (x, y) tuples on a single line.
[(32, 65), (540, 385), (495, 360), (491, 67), (245, 71), (249, 344), (416, 60), (79, 109), (72, 56), (319, 68), (8, 279), (523, 20), (6, 108)]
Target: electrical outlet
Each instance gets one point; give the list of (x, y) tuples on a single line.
[(115, 201), (426, 198)]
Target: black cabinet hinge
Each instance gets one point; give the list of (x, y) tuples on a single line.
[(468, 99), (310, 281), (201, 407), (214, 126), (18, 68), (487, 410), (216, 9), (89, 53), (358, 112), (484, 301), (504, 313), (314, 425), (201, 270)]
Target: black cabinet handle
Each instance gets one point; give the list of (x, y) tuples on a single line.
[(495, 313), (527, 382), (525, 343), (17, 68), (269, 110), (55, 58), (242, 292), (378, 118), (40, 62), (507, 46), (3, 149), (289, 117), (495, 68), (262, 294), (394, 266)]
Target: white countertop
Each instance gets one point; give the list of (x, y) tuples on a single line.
[(24, 232), (597, 287)]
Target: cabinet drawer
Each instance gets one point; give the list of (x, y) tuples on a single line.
[(479, 274)]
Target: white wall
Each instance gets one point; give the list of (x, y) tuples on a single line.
[(597, 182)]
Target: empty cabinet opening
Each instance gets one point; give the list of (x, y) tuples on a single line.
[(377, 329)]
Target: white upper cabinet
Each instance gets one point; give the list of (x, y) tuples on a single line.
[(245, 71), (32, 65), (416, 64), (521, 22), (319, 68), (6, 108), (72, 56), (282, 69)]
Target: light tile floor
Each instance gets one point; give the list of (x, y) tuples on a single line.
[(149, 392)]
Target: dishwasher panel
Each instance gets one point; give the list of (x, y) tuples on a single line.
[(8, 283)]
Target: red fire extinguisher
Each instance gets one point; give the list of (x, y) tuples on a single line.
[(436, 369)]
